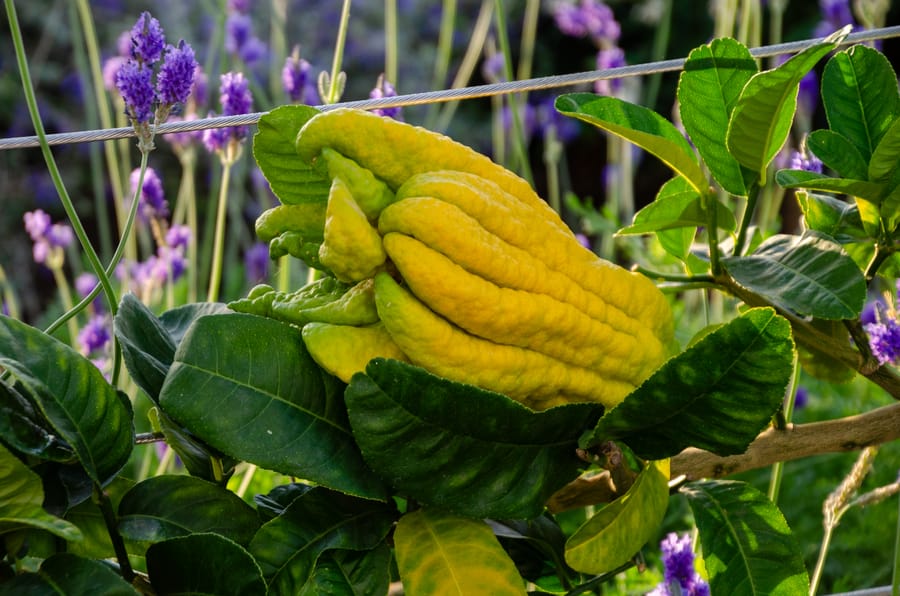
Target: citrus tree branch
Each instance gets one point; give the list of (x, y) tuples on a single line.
[(773, 445)]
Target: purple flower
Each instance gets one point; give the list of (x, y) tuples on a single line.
[(123, 44), (179, 236), (49, 239), (588, 19), (613, 57), (546, 115), (801, 398), (236, 99), (176, 75), (493, 68), (94, 336), (884, 340), (111, 68), (802, 161), (295, 76), (238, 6), (133, 80), (256, 263), (199, 89), (808, 96), (152, 197), (170, 263), (678, 559), (238, 29), (383, 88), (37, 224), (147, 39)]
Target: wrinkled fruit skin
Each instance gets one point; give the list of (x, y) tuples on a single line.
[(471, 275)]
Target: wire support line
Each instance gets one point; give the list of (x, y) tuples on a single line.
[(444, 95)]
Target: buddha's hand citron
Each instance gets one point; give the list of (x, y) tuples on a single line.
[(474, 277)]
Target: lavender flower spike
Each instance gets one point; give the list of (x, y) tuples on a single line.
[(176, 75), (134, 83), (236, 99), (678, 559), (383, 88), (295, 77), (147, 39)]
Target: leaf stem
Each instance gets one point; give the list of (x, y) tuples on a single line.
[(109, 518), (880, 255), (390, 41), (788, 412), (31, 101), (334, 90), (215, 274), (712, 233), (674, 277), (519, 142), (752, 199)]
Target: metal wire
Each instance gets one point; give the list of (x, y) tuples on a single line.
[(445, 95)]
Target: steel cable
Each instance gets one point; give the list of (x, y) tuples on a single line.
[(445, 95)]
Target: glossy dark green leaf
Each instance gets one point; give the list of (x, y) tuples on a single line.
[(273, 504), (462, 448), (886, 156), (618, 530), (443, 554), (203, 564), (871, 191), (66, 574), (837, 153), (179, 319), (677, 205), (164, 507), (72, 395), (96, 543), (22, 500), (762, 118), (292, 180), (200, 460), (808, 275), (536, 545), (712, 80), (860, 97), (24, 429), (831, 216), (247, 386), (716, 395), (351, 573), (320, 520), (747, 546), (147, 348), (639, 125)]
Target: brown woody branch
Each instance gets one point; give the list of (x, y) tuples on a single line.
[(875, 427)]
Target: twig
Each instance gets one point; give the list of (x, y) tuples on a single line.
[(795, 442)]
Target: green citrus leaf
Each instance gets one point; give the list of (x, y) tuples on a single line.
[(440, 553), (462, 448), (166, 507), (147, 347), (886, 156), (639, 125), (72, 395), (22, 500), (288, 546), (837, 153), (762, 118), (747, 546), (292, 180), (65, 574), (23, 428), (831, 216), (247, 386), (677, 205), (808, 275), (716, 395), (872, 192), (615, 533), (860, 96), (708, 89), (351, 573), (203, 564)]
